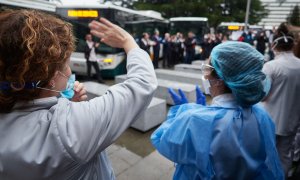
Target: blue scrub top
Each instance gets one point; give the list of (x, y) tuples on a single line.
[(222, 141)]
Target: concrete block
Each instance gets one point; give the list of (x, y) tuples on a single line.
[(162, 89), (179, 76), (154, 115), (188, 68), (198, 62)]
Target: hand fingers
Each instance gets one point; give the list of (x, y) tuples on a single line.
[(81, 92), (95, 25), (78, 86), (80, 96), (76, 83), (106, 22), (181, 93), (83, 98), (199, 92), (201, 99), (97, 33), (172, 92)]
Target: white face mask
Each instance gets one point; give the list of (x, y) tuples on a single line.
[(206, 85)]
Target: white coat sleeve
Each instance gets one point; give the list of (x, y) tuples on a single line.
[(87, 128)]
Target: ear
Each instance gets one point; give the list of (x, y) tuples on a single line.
[(52, 84), (53, 80)]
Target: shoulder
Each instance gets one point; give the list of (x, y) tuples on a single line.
[(262, 115), (271, 66), (197, 114)]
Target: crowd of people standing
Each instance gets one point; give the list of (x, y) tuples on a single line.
[(178, 48)]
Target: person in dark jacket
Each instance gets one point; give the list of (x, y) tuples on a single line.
[(167, 50), (190, 44), (261, 43), (145, 43), (156, 48), (90, 56)]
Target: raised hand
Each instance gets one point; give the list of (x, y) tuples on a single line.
[(178, 99), (112, 34), (200, 97), (80, 92)]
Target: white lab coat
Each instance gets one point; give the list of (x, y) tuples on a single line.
[(54, 138), (283, 102)]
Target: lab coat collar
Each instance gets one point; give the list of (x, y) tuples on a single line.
[(42, 103), (224, 100), (278, 55)]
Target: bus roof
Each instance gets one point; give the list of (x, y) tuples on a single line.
[(188, 19), (31, 4), (151, 14)]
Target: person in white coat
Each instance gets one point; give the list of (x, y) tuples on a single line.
[(47, 129), (283, 102)]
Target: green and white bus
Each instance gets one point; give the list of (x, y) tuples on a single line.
[(111, 60)]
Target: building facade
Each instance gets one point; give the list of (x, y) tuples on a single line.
[(279, 10)]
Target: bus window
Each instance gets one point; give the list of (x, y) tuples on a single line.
[(197, 25)]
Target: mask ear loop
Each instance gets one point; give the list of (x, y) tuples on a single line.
[(275, 43), (284, 37), (38, 87)]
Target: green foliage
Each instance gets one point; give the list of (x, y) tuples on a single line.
[(294, 17), (206, 8)]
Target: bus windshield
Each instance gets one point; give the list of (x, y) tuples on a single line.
[(197, 26), (80, 23), (137, 28)]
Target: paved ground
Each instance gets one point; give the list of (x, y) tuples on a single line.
[(130, 166)]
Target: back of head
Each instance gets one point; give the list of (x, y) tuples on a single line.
[(239, 65), (33, 46), (283, 39)]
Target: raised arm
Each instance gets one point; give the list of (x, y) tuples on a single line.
[(89, 127)]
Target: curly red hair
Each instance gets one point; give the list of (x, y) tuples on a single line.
[(33, 46)]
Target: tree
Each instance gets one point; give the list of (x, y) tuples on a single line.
[(123, 3), (294, 17), (215, 10)]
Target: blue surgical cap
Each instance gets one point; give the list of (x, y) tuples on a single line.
[(239, 65)]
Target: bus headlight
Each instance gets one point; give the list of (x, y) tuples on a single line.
[(198, 49), (108, 60)]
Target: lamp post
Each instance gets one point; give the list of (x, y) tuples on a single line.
[(247, 14)]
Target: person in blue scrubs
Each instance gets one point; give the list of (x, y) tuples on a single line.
[(234, 137)]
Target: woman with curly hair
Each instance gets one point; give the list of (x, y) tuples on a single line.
[(48, 130)]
